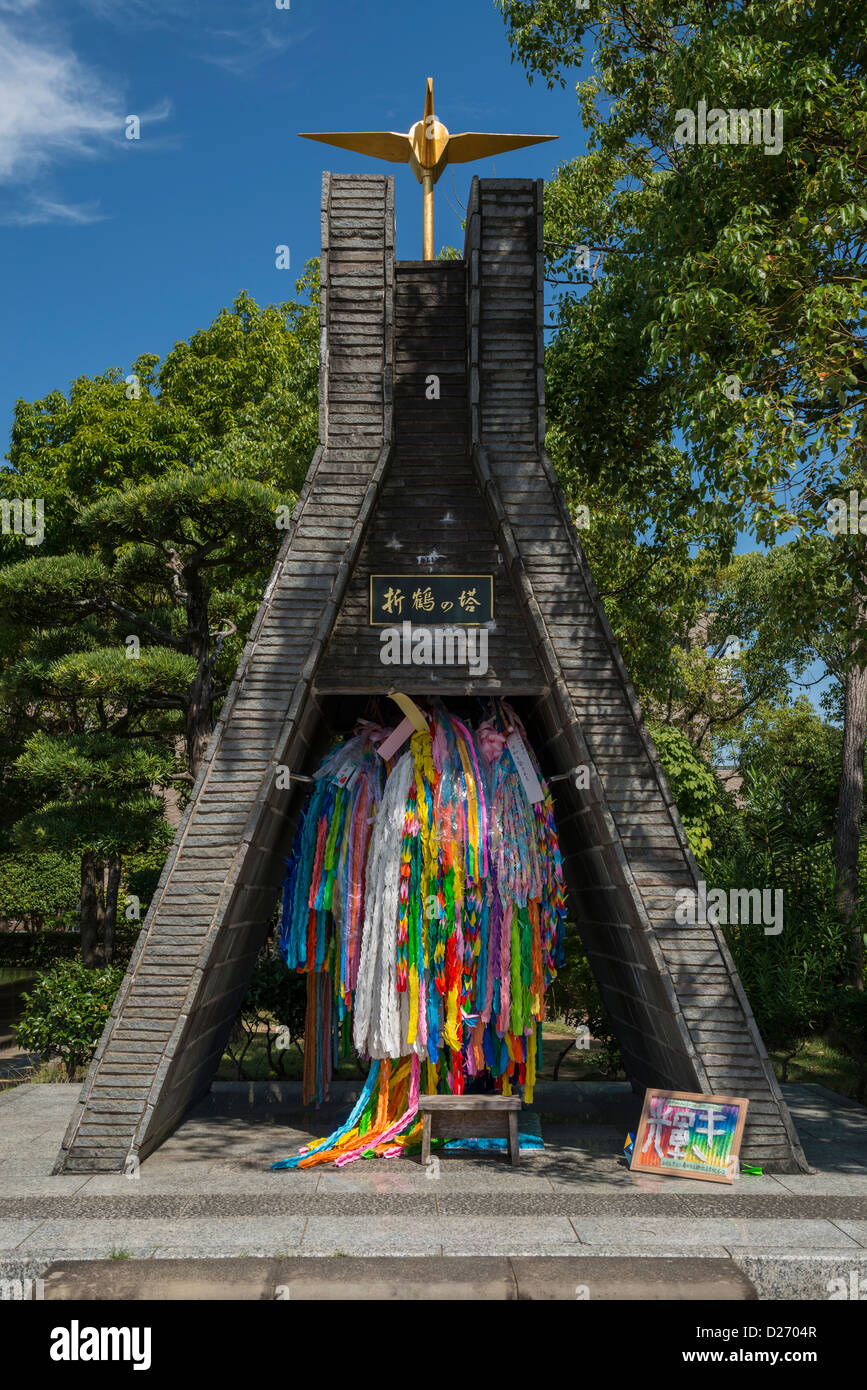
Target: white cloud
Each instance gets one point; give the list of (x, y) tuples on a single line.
[(17, 6), (38, 209), (125, 14), (51, 105), (241, 51), (54, 108)]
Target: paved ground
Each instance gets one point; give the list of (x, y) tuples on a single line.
[(207, 1194)]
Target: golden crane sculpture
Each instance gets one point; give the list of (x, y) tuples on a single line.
[(427, 148)]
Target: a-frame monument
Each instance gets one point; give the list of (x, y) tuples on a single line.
[(413, 481)]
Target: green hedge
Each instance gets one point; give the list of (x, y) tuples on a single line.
[(44, 887), (43, 949)]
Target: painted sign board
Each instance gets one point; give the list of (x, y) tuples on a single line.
[(689, 1136)]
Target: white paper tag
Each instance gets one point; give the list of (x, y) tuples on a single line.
[(526, 770)]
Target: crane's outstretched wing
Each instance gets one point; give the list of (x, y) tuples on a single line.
[(381, 144), (471, 145)]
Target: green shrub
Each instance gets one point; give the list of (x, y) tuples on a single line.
[(274, 1007), (65, 1013), (574, 996), (38, 949), (279, 992), (695, 786), (39, 889), (848, 1033)]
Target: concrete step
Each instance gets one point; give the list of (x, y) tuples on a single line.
[(400, 1279)]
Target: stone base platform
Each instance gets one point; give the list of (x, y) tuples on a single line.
[(207, 1196)]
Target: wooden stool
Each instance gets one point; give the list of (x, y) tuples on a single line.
[(469, 1117)]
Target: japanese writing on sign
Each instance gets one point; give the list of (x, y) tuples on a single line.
[(456, 599), (690, 1135)]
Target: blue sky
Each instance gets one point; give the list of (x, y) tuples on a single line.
[(110, 247)]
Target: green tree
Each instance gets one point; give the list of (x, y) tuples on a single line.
[(240, 396), (729, 308), (38, 890), (164, 492), (728, 648), (157, 559), (778, 842), (129, 656), (248, 386), (792, 741), (94, 801)]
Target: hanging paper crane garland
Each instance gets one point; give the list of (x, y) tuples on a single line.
[(424, 900)]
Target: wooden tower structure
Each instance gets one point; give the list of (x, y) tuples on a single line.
[(417, 482)]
